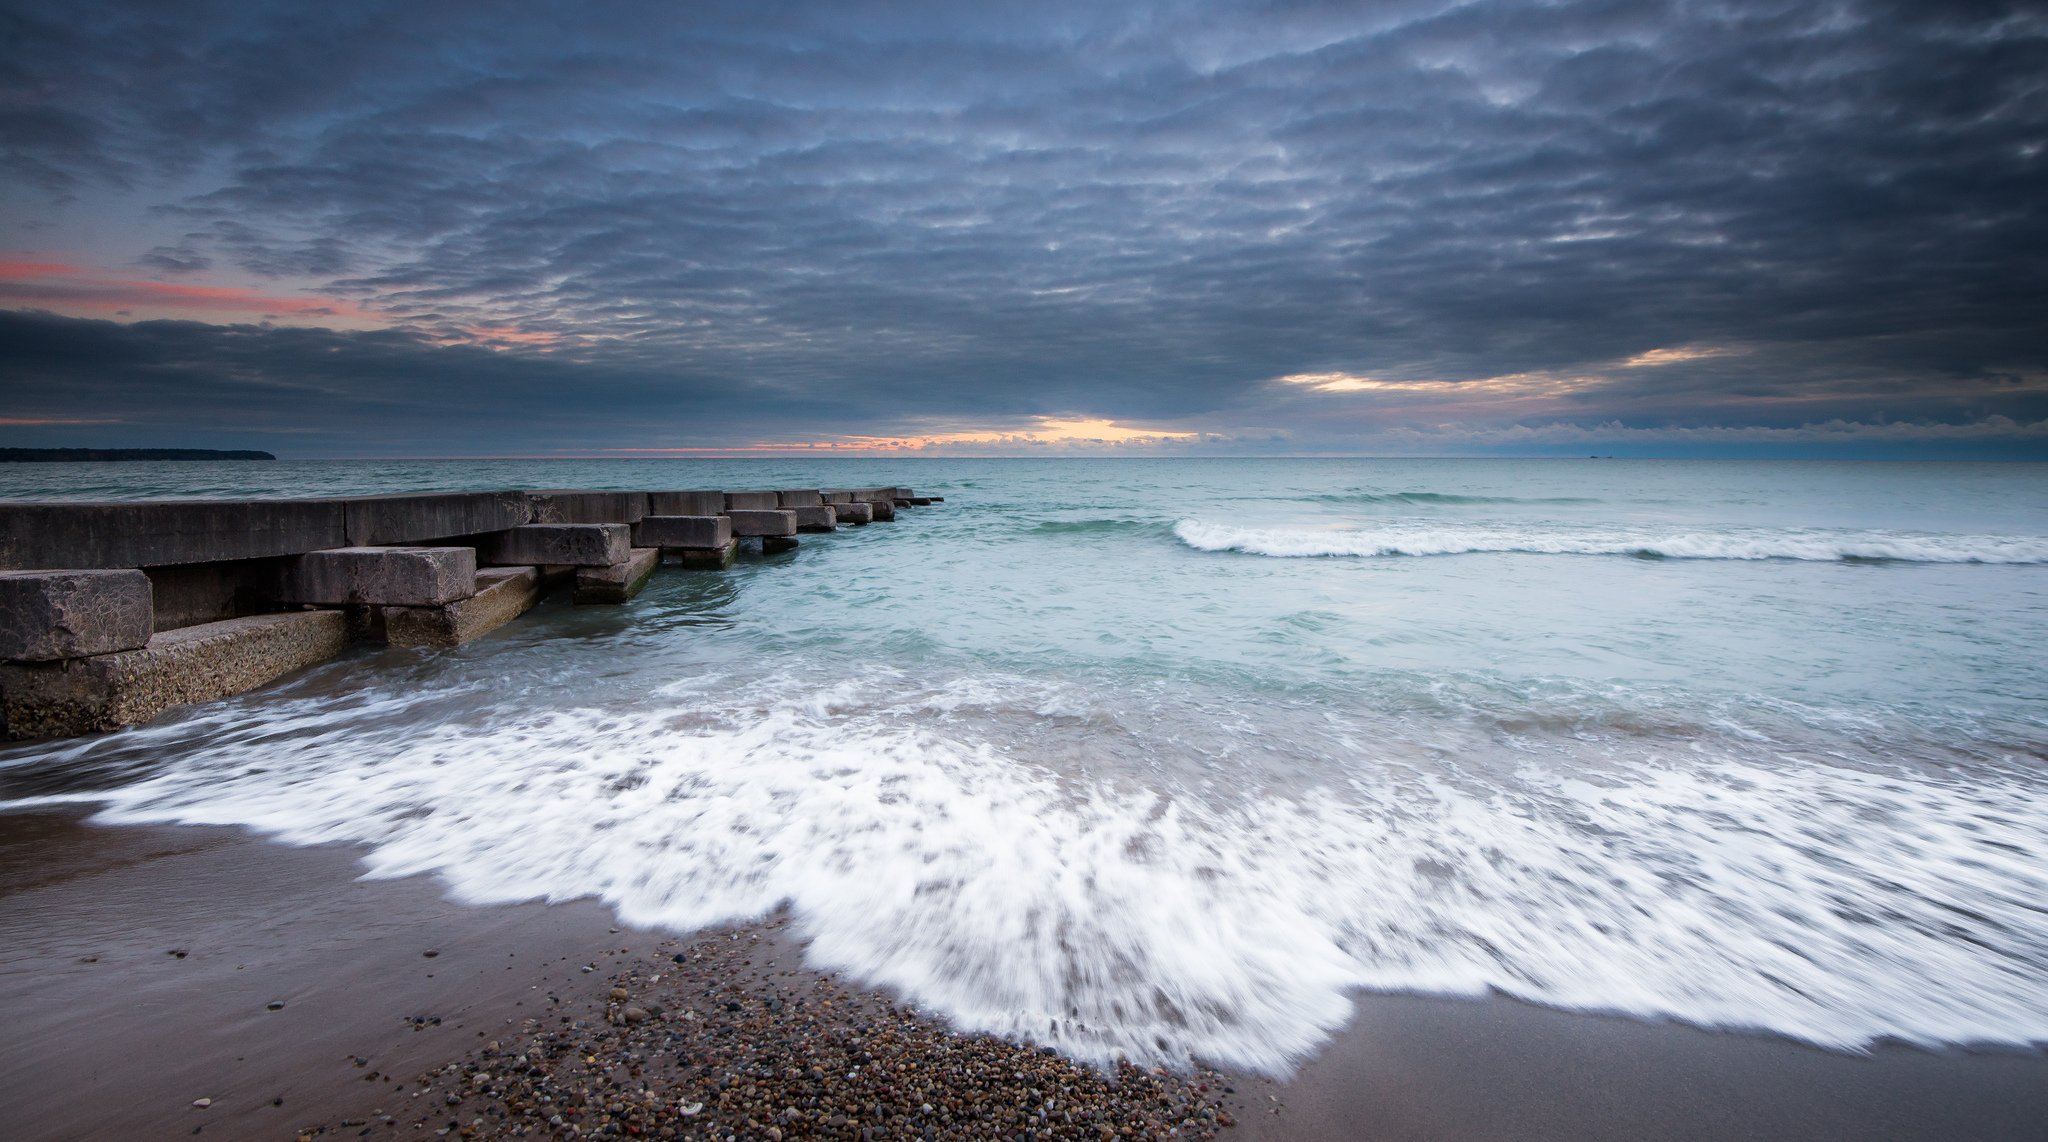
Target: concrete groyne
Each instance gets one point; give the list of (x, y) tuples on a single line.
[(111, 613)]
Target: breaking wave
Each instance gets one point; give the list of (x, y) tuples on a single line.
[(1820, 545), (922, 846)]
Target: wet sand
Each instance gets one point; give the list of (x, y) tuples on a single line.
[(112, 1035)]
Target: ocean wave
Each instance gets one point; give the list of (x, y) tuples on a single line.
[(1433, 499), (920, 852), (1817, 545)]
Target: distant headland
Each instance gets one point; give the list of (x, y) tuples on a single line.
[(52, 455)]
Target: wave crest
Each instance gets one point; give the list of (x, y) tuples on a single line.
[(1812, 545)]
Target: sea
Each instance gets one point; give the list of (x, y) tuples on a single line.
[(1174, 759)]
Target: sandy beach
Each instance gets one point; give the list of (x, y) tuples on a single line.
[(141, 966)]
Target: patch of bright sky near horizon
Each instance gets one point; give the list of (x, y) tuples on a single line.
[(920, 227)]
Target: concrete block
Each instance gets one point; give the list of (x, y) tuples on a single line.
[(704, 558), (685, 503), (818, 518), (375, 520), (191, 593), (745, 522), (777, 544), (381, 576), (682, 531), (938, 499), (192, 664), (47, 615), (502, 594), (164, 532), (855, 515), (920, 501), (752, 501), (883, 510), (587, 507), (576, 544), (837, 497), (618, 582), (799, 498)]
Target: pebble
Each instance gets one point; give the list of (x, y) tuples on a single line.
[(202, 1103), (727, 1050)]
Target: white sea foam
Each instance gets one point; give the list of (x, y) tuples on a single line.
[(1837, 905), (1814, 544)]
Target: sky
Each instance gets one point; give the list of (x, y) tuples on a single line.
[(1400, 228)]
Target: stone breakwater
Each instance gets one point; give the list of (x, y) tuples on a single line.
[(111, 613)]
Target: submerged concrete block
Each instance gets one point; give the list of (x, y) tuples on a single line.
[(745, 523), (374, 520), (685, 503), (751, 501), (164, 532), (704, 558), (920, 501), (381, 576), (858, 515), (618, 582), (799, 498), (777, 544), (575, 544), (682, 531), (192, 664), (818, 518), (587, 507), (502, 594), (47, 615)]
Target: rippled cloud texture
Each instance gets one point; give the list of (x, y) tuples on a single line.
[(1663, 228)]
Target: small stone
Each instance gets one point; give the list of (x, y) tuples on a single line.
[(430, 953), (274, 1005), (202, 1103)]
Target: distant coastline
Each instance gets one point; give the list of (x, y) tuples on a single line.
[(56, 455)]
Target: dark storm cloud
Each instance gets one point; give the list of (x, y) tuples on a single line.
[(1140, 213)]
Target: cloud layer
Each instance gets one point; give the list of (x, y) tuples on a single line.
[(925, 219)]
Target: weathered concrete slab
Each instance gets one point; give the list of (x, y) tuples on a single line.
[(587, 507), (374, 520), (883, 510), (682, 531), (502, 594), (820, 518), (798, 498), (575, 544), (381, 576), (747, 523), (777, 544), (938, 499), (831, 497), (857, 515), (193, 664), (920, 501), (751, 501), (618, 582), (704, 558), (163, 532), (48, 615), (685, 503)]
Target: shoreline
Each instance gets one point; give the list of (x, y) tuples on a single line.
[(115, 1035)]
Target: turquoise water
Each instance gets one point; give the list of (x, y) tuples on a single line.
[(1170, 758)]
